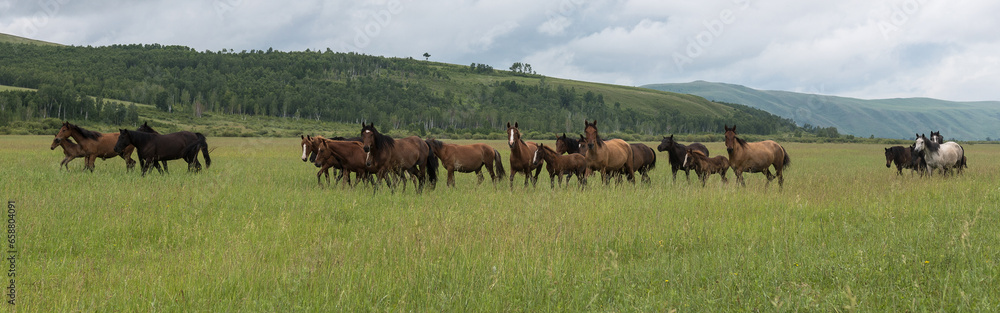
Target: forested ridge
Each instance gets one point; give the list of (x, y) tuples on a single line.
[(415, 96)]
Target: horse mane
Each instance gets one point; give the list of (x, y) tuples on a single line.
[(547, 149), (139, 138), (743, 143), (434, 143), (381, 141), (89, 134), (698, 153), (931, 145), (146, 128)]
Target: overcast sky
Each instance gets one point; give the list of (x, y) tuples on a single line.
[(858, 48)]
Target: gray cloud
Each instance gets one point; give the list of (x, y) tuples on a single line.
[(895, 48)]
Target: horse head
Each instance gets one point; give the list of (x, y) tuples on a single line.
[(539, 154), (368, 136), (307, 147), (582, 145), (590, 131), (889, 156), (730, 138), (513, 134), (666, 143), (124, 140), (320, 154), (65, 131)]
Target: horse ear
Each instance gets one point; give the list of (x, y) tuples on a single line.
[(595, 122), (508, 124), (515, 124), (734, 128)]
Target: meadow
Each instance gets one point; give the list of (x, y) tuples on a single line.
[(255, 233)]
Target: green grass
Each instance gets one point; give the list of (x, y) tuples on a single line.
[(255, 233)]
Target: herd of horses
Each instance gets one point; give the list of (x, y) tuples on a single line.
[(379, 159), (152, 148), (926, 155)]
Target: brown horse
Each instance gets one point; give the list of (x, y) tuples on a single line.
[(704, 166), (557, 165), (406, 155), (609, 156), (95, 145), (468, 159), (520, 156), (756, 157), (309, 147), (349, 156), (71, 150), (567, 145), (643, 160)]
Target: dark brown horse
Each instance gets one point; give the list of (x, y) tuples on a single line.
[(900, 155), (643, 160), (348, 156), (71, 151), (468, 159), (567, 145), (676, 153), (411, 155), (155, 147), (557, 165), (704, 166), (95, 145), (520, 156), (756, 157), (609, 156)]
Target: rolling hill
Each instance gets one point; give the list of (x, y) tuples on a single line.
[(887, 118), (402, 94)]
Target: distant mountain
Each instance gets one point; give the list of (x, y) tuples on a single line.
[(887, 118)]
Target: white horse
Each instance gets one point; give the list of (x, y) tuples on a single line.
[(945, 156)]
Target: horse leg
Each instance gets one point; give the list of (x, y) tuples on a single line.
[(739, 177), (90, 163), (704, 178), (674, 169), (451, 177), (479, 173)]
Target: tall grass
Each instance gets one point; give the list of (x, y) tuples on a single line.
[(255, 233)]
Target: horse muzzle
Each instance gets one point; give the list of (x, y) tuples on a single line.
[(367, 149), (590, 146), (729, 150)]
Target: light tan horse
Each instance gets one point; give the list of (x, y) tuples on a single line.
[(608, 157), (95, 145), (755, 157)]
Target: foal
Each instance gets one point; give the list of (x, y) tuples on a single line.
[(559, 164), (70, 149), (705, 166)]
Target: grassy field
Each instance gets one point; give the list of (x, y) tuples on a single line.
[(255, 233)]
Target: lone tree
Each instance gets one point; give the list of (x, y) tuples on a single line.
[(427, 56)]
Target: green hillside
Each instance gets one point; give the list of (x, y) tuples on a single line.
[(887, 118), (5, 38), (181, 86)]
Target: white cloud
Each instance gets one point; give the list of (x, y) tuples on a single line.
[(555, 26)]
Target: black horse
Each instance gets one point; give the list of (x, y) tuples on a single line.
[(156, 147), (567, 145), (676, 152), (901, 156), (142, 161)]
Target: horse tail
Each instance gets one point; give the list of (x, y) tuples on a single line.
[(432, 162), (204, 149), (499, 164), (787, 161)]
